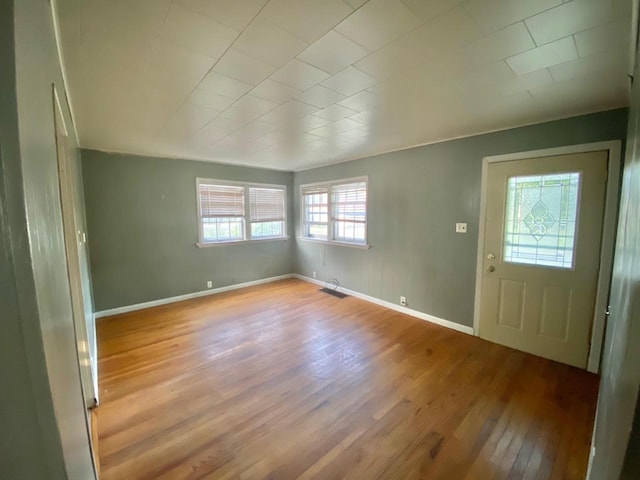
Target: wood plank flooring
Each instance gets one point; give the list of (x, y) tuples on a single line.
[(281, 381)]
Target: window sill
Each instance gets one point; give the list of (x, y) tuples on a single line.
[(237, 242), (361, 246)]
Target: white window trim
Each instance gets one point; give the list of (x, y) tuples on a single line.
[(247, 214), (330, 237)]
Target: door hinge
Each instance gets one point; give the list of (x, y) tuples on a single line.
[(607, 311)]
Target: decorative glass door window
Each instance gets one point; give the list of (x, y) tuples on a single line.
[(541, 217)]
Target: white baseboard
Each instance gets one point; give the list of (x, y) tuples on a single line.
[(399, 308), (383, 303), (188, 296)]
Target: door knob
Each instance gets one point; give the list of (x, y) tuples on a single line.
[(491, 268)]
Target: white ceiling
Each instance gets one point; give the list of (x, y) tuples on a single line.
[(290, 84)]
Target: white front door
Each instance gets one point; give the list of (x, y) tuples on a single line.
[(543, 229)]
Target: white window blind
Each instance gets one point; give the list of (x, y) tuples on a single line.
[(230, 212), (221, 212), (335, 211), (221, 201), (267, 204), (267, 212)]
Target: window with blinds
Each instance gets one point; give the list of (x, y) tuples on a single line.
[(335, 211), (267, 214), (349, 212), (316, 213), (232, 212)]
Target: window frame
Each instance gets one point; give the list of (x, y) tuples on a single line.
[(331, 240), (246, 234)]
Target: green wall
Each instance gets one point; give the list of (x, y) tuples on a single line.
[(43, 433), (415, 198), (143, 229), (20, 436), (620, 372)]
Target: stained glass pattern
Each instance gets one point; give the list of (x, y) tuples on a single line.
[(540, 221)]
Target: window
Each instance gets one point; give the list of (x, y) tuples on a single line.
[(234, 212), (540, 224), (266, 212), (335, 211)]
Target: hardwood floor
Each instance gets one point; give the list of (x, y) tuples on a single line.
[(281, 381)]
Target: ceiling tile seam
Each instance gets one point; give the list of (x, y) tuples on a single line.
[(356, 120), (539, 46), (297, 97), (575, 45), (333, 29), (463, 7), (504, 60), (586, 111), (424, 23), (612, 20), (284, 128), (154, 43), (156, 39), (555, 80), (347, 96), (351, 6), (249, 93), (528, 31), (354, 10), (444, 12), (568, 35), (214, 66), (405, 34), (187, 6), (311, 43), (523, 19), (253, 120), (593, 27), (371, 52), (242, 125), (273, 24), (312, 66), (578, 57), (234, 130)]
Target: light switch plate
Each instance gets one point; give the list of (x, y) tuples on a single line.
[(461, 228)]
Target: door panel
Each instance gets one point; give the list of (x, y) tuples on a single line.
[(543, 226), (511, 303), (555, 312)]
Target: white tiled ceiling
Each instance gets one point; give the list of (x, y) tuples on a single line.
[(290, 84)]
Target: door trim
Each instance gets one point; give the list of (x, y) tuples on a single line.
[(614, 149), (71, 239)]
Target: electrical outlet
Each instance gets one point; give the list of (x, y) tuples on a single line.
[(403, 301), (461, 228), (314, 274), (209, 284)]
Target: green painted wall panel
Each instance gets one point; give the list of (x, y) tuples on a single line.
[(143, 229), (415, 198)]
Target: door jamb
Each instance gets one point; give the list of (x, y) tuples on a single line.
[(614, 149), (71, 241)]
